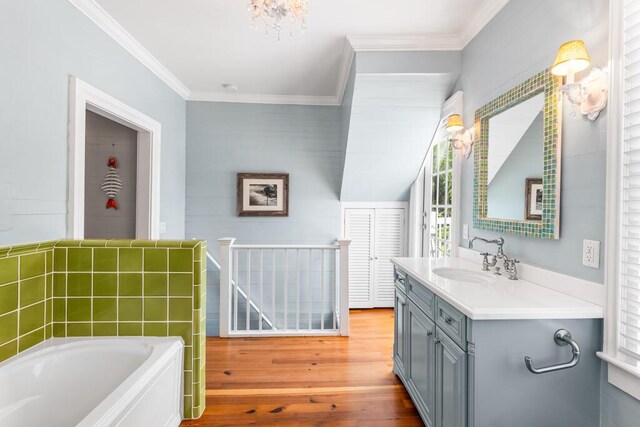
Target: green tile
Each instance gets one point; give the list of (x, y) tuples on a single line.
[(105, 259), (187, 407), (79, 284), (93, 243), (155, 284), (8, 327), (8, 298), (105, 309), (31, 318), (180, 260), (129, 329), (59, 309), (180, 285), (155, 309), (181, 329), (49, 263), (48, 312), (8, 270), (188, 358), (130, 309), (155, 260), (119, 243), (79, 329), (188, 383), (131, 284), (32, 265), (143, 244), (79, 259), (105, 329), (8, 350), (180, 309), (155, 329), (105, 284), (49, 285), (59, 330), (79, 309), (31, 339), (59, 285), (32, 290), (130, 259), (48, 331)]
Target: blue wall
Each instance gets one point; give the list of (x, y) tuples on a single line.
[(519, 42), (225, 138), (41, 44)]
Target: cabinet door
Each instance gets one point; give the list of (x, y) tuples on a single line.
[(451, 383), (359, 226), (389, 243), (399, 341), (420, 362)]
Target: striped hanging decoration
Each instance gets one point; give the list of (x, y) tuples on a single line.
[(112, 183)]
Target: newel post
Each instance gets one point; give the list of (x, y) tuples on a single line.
[(344, 286), (226, 260)]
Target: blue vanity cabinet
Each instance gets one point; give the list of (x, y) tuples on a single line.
[(399, 325), (420, 363), (451, 382)]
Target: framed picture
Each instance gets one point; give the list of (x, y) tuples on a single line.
[(263, 194), (533, 199)]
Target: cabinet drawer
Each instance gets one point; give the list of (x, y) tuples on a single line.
[(452, 322), (423, 297), (400, 279)]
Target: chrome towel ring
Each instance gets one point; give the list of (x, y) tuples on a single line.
[(562, 337)]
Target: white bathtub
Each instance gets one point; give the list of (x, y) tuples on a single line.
[(65, 382)]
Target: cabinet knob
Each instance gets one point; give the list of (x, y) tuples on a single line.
[(429, 333), (448, 320), (437, 341)]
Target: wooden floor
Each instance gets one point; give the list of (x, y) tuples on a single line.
[(308, 381)]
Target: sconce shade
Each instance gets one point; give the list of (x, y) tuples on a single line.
[(572, 57), (454, 123)]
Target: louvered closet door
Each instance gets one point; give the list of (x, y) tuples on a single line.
[(389, 243), (359, 225)]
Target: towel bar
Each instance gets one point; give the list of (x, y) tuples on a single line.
[(562, 337)]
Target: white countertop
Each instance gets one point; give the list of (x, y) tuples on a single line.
[(499, 298)]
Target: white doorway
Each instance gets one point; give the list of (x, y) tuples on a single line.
[(378, 233), (84, 97)]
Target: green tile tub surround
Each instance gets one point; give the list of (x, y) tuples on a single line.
[(76, 288), (549, 226)]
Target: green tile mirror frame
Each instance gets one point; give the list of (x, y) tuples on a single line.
[(107, 288), (549, 225)]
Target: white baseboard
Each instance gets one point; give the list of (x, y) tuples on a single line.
[(589, 291)]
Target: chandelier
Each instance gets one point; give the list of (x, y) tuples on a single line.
[(279, 15)]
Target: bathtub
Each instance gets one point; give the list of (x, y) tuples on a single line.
[(85, 382)]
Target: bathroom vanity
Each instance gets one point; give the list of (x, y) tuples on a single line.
[(461, 338)]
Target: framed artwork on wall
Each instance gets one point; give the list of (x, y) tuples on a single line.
[(263, 194), (533, 199)]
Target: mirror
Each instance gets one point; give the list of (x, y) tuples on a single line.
[(517, 160)]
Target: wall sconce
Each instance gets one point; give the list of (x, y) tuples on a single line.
[(461, 139), (589, 96)]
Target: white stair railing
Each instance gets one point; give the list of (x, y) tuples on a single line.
[(299, 289)]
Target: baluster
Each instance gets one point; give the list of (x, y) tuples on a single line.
[(310, 289), (248, 292), (344, 287), (335, 288), (286, 289), (261, 284), (273, 291), (322, 289), (235, 289), (298, 291), (225, 284)]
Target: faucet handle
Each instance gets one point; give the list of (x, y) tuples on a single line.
[(485, 254)]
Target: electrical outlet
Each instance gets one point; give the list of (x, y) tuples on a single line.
[(163, 227), (591, 253), (465, 231)]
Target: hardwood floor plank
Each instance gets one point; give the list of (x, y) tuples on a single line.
[(308, 381)]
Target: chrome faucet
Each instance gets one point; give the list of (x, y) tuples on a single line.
[(509, 264)]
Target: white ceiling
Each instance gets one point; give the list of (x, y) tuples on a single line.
[(201, 44)]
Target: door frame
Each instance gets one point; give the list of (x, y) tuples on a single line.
[(83, 97)]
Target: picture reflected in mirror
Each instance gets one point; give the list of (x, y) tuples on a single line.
[(516, 161)]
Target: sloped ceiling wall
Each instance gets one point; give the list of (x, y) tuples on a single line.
[(394, 111)]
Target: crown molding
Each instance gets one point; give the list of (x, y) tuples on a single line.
[(102, 19), (348, 55), (404, 43), (481, 18), (249, 98)]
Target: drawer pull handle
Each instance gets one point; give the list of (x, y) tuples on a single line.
[(448, 320), (401, 280), (429, 333)]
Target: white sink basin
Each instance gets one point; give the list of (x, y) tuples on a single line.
[(462, 275)]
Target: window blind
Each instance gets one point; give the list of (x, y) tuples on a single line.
[(629, 327)]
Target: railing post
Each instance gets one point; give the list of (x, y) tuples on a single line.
[(226, 267), (344, 287)]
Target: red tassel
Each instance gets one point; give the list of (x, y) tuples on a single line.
[(111, 203)]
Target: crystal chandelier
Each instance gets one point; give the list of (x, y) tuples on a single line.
[(279, 15)]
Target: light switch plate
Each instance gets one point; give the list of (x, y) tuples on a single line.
[(465, 231), (591, 253)]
